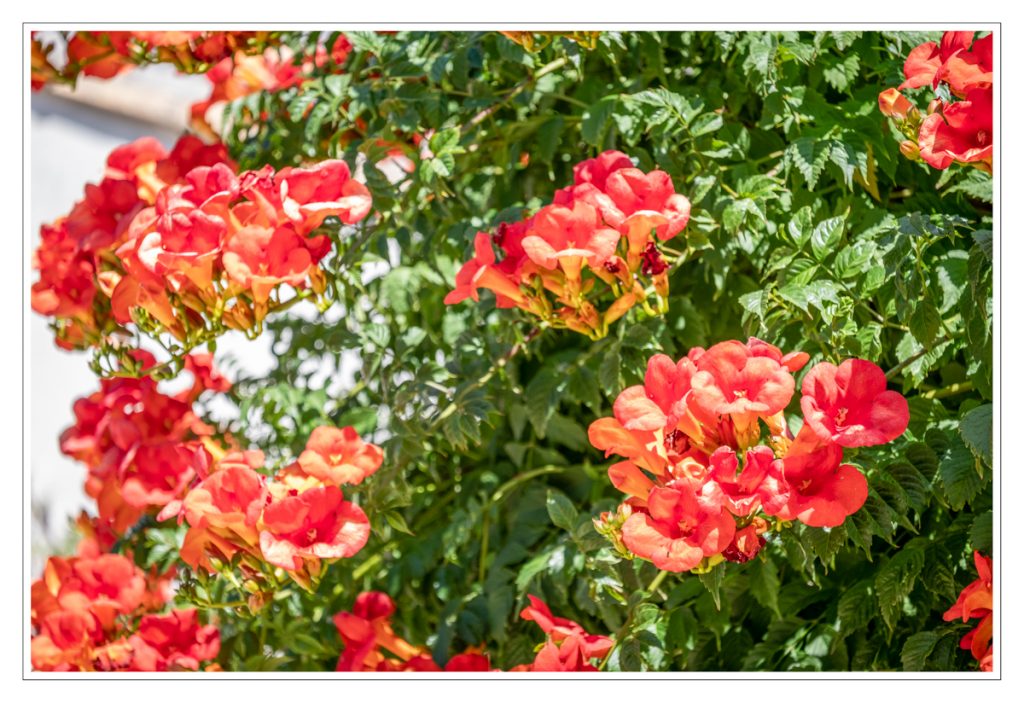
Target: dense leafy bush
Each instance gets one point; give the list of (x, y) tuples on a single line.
[(805, 227)]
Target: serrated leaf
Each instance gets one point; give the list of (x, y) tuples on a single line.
[(976, 430), (960, 479), (925, 321), (314, 120), (975, 185), (297, 107), (981, 532), (895, 580), (445, 141), (826, 543), (857, 606), (712, 581), (842, 73), (826, 236), (583, 387), (915, 487), (916, 650), (548, 137), (764, 584), (808, 156)]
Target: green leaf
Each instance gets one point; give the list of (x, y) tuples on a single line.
[(561, 510), (976, 429), (630, 655), (609, 374), (583, 387), (895, 580), (857, 606), (596, 119), (297, 107), (549, 137), (444, 142), (809, 156), (673, 105), (706, 124), (915, 487), (756, 303), (764, 584), (398, 522), (337, 84), (315, 120), (916, 650), (542, 399), (736, 212), (712, 581), (925, 321), (981, 532), (530, 569), (960, 479), (976, 185), (842, 73), (826, 542), (801, 226), (378, 334), (826, 236)]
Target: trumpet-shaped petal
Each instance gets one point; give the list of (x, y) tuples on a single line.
[(849, 404)]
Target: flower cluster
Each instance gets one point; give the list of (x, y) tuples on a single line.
[(292, 521), (78, 248), (568, 647), (707, 448), (975, 601), (605, 227), (957, 131), (137, 442), (97, 611), (372, 645), (182, 243), (272, 70), (213, 250), (106, 54)]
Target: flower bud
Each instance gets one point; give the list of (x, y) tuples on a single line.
[(317, 280), (256, 602), (619, 308), (910, 149), (892, 104)]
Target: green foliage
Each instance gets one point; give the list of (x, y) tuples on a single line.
[(808, 230)]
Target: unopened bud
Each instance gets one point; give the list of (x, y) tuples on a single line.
[(317, 280), (892, 104), (910, 149), (256, 602)]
